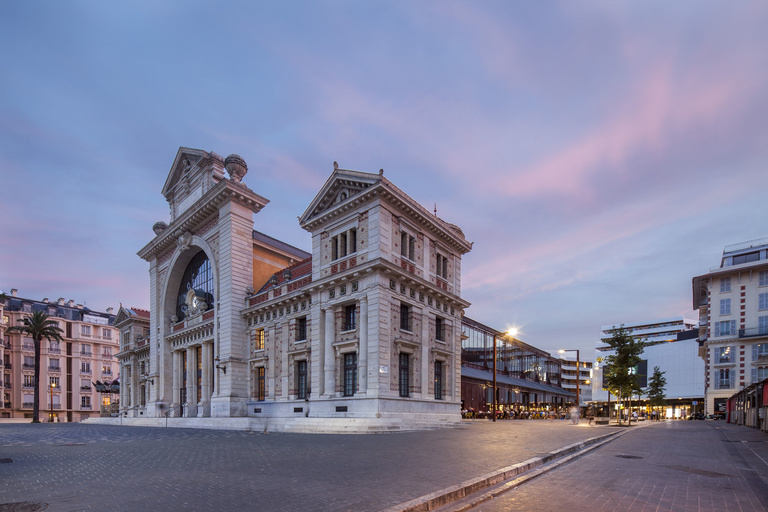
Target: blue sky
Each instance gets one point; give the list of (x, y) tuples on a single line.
[(598, 154)]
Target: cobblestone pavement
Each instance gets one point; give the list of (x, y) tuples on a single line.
[(674, 465), (83, 467)]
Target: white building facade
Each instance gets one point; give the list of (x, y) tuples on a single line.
[(732, 300), (670, 344), (367, 327)]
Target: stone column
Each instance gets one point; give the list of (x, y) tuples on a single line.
[(205, 384), (362, 355), (176, 400), (191, 410), (135, 379), (284, 366), (329, 359), (424, 355), (125, 395)]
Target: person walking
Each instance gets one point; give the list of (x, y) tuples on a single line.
[(590, 414)]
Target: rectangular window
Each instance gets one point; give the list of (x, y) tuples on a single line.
[(85, 349), (344, 244), (258, 339), (29, 381), (85, 330), (301, 328), (759, 374), (441, 266), (29, 362), (54, 382), (404, 372), (764, 278), (407, 246), (723, 378), (301, 380), (85, 402), (762, 301), (438, 380), (126, 339), (350, 317), (350, 374), (725, 306), (726, 328), (762, 325), (54, 347), (53, 364), (106, 333), (724, 355), (440, 329), (85, 367), (746, 258), (760, 352), (261, 384), (405, 317), (725, 284)]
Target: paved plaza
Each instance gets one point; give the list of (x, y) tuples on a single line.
[(64, 467)]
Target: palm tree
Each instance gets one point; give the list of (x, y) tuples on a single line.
[(38, 326)]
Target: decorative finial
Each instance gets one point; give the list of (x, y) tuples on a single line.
[(335, 165), (435, 209), (236, 167), (381, 172)]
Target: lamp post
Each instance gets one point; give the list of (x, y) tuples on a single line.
[(53, 385), (578, 370)]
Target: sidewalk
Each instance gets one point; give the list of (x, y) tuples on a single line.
[(672, 465)]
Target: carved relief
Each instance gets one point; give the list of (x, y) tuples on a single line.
[(183, 240)]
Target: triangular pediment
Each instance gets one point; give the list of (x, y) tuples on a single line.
[(186, 160), (342, 186)]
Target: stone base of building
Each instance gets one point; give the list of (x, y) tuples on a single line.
[(331, 416)]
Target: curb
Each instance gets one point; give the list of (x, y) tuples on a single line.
[(450, 494)]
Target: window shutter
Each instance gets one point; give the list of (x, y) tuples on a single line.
[(754, 355), (717, 329), (754, 375), (733, 327)]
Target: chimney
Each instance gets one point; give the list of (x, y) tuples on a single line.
[(79, 306), (61, 301), (71, 303), (14, 291), (109, 311), (45, 300)]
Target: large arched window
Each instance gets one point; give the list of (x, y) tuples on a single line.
[(199, 277)]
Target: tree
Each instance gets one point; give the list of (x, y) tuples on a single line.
[(620, 376), (655, 389), (38, 326)]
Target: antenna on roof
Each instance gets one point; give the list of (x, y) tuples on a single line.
[(435, 209)]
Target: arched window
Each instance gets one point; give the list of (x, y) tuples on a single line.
[(199, 277)]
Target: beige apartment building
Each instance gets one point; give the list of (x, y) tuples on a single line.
[(69, 369)]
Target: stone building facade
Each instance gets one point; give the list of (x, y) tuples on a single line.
[(366, 328)]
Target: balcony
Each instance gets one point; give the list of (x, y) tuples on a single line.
[(27, 366), (85, 406), (108, 373), (54, 368), (27, 346), (7, 385), (27, 405), (8, 365), (54, 351), (85, 388), (752, 332), (27, 386), (86, 354)]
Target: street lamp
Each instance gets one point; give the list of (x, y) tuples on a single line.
[(578, 363), (511, 332), (53, 385)]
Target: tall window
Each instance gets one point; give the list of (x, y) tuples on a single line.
[(301, 380), (726, 328), (261, 385), (762, 301), (725, 306), (760, 352), (126, 339), (85, 402), (198, 276), (85, 349), (762, 325), (350, 317), (301, 328), (344, 244), (54, 382), (404, 372), (407, 246), (725, 284), (441, 266), (405, 317), (724, 355), (29, 381), (438, 380), (85, 330), (759, 374), (350, 374), (53, 364), (440, 329), (85, 367), (764, 278), (723, 378), (258, 339), (106, 333)]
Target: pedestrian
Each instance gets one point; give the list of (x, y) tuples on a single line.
[(575, 415), (590, 414)]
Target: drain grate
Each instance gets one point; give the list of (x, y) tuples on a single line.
[(629, 456), (23, 506), (6, 461)]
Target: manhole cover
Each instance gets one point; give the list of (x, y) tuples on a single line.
[(23, 506), (6, 461), (629, 457), (70, 444)]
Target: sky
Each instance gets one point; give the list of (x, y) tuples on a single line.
[(598, 154)]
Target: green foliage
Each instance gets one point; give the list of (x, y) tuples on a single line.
[(655, 389), (38, 326), (619, 375)]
